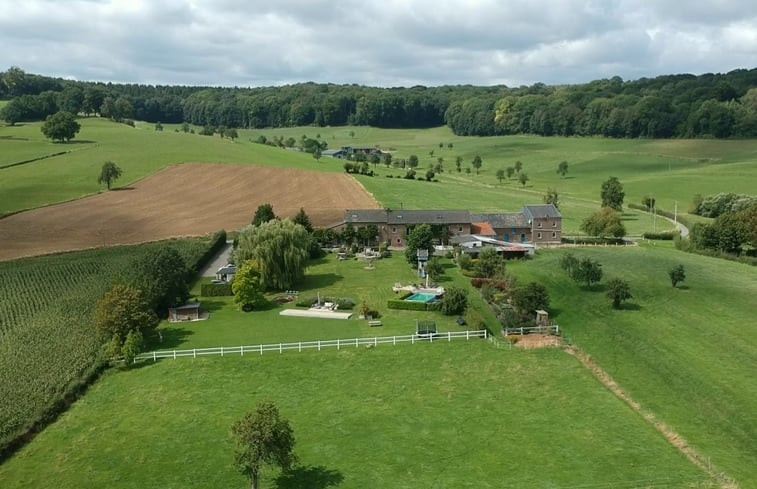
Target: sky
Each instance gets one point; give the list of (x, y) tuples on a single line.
[(378, 43)]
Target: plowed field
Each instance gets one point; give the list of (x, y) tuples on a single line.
[(182, 200)]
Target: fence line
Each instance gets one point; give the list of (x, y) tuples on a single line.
[(554, 329), (318, 344)]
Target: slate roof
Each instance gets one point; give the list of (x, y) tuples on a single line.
[(503, 220), (366, 216), (540, 211)]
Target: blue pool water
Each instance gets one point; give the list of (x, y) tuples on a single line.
[(421, 297)]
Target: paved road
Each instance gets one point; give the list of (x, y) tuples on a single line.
[(221, 259)]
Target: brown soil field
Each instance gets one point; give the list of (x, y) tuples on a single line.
[(181, 200)]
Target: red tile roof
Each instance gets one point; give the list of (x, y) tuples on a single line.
[(482, 229)]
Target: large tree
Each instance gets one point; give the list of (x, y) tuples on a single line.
[(588, 271), (612, 194), (280, 248), (603, 223), (552, 197), (420, 238), (263, 213), (162, 276), (477, 162), (303, 220), (109, 173), (248, 287), (529, 298), (60, 127), (264, 438), (121, 310)]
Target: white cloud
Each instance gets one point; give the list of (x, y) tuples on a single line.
[(390, 43)]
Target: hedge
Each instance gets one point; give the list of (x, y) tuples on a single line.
[(216, 290), (497, 284), (406, 305), (218, 240), (664, 235)]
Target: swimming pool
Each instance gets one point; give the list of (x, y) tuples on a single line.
[(419, 297)]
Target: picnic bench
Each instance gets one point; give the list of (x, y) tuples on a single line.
[(374, 323)]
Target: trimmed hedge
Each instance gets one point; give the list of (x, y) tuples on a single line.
[(664, 236), (405, 305), (216, 290), (218, 240)]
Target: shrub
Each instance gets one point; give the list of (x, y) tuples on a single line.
[(367, 310), (479, 282), (216, 290), (513, 338), (663, 236), (474, 319), (465, 262), (306, 301), (405, 305), (345, 303), (455, 301)]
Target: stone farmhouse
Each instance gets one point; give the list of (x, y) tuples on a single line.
[(346, 152), (535, 224)]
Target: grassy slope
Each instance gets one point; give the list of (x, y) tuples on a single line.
[(688, 354), (139, 153), (459, 415)]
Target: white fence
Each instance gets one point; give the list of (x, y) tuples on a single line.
[(313, 345), (554, 329)]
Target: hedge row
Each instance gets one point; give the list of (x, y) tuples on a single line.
[(664, 236), (497, 284), (216, 290), (406, 305), (217, 241)]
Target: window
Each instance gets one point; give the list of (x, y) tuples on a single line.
[(538, 235), (394, 229), (554, 224), (554, 235), (460, 229), (399, 241), (538, 224)]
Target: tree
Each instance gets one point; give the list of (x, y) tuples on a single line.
[(412, 161), (420, 238), (132, 346), (477, 162), (648, 202), (551, 197), (121, 310), (303, 220), (430, 175), (454, 302), (518, 166), (588, 271), (569, 263), (387, 159), (162, 277), (231, 133), (434, 268), (247, 286), (603, 223), (458, 163), (159, 126), (500, 175), (263, 438), (489, 264), (677, 274), (60, 127), (264, 213), (612, 194), (109, 173), (618, 291), (562, 168), (522, 179), (281, 249), (510, 171), (529, 298)]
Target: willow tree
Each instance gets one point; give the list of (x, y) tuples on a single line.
[(280, 248)]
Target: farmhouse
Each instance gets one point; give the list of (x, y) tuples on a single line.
[(395, 225), (536, 224), (346, 152)]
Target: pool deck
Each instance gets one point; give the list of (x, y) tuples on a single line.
[(316, 313)]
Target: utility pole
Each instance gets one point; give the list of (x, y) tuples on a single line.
[(675, 214)]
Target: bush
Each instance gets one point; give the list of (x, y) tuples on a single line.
[(663, 236), (405, 305), (500, 285), (455, 301), (306, 301), (465, 262), (345, 303), (474, 319), (216, 290)]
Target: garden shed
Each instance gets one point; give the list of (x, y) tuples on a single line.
[(187, 312)]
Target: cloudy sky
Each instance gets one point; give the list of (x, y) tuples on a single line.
[(378, 42)]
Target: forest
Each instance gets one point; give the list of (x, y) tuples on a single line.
[(670, 106)]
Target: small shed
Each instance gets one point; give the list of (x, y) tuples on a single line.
[(226, 273), (187, 312), (542, 317)]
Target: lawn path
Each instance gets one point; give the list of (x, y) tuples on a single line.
[(674, 438)]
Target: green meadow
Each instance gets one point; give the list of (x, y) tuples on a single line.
[(428, 415), (688, 354)]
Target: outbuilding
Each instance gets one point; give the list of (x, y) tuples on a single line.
[(187, 312)]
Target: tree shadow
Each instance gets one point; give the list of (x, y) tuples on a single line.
[(629, 306), (118, 189), (80, 141), (309, 477), (682, 287), (321, 280), (172, 337)]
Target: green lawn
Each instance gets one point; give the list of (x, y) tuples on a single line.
[(228, 326), (430, 415), (687, 354)]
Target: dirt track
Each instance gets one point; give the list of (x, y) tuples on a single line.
[(182, 200)]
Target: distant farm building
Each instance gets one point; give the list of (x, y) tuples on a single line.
[(187, 312), (347, 152)]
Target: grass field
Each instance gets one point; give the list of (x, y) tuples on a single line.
[(671, 170), (432, 415), (688, 354), (228, 326), (47, 339)]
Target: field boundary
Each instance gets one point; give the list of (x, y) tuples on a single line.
[(369, 342), (674, 438)]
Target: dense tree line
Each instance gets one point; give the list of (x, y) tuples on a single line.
[(709, 105)]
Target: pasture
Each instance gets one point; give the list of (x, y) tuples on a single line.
[(47, 340), (426, 415), (687, 354)]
